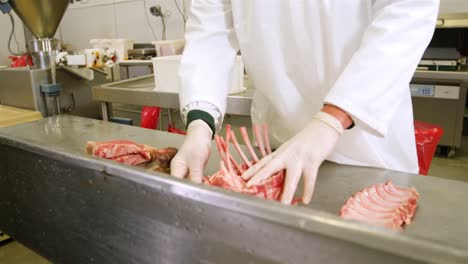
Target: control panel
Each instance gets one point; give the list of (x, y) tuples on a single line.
[(435, 91), (422, 90)]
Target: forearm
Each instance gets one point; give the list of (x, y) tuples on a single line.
[(338, 113), (375, 80), (207, 62)]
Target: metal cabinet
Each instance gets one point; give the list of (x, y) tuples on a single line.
[(441, 101)]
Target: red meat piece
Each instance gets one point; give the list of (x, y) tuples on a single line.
[(229, 174)]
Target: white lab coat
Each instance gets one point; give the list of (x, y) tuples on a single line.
[(359, 55)]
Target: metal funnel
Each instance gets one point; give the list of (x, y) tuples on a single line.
[(42, 17)]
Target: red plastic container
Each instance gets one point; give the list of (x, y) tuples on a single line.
[(20, 61), (427, 138), (150, 118)]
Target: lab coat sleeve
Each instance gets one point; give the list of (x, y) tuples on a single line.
[(376, 79), (208, 61)]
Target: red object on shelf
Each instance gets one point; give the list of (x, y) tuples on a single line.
[(427, 138), (150, 117), (20, 61)]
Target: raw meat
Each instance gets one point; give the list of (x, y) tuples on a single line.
[(123, 151), (383, 204), (131, 159), (229, 174), (117, 148), (163, 159)]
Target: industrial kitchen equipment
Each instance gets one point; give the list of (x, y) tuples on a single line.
[(139, 61), (44, 87), (439, 86), (42, 18), (140, 91)]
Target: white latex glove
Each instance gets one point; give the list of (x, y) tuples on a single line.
[(191, 159), (301, 155)]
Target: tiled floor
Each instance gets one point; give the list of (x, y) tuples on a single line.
[(456, 169)]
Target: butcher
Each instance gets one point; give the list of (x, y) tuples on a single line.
[(331, 77)]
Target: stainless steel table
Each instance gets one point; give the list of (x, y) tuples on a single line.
[(73, 208), (140, 91), (441, 75)]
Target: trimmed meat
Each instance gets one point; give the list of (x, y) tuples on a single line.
[(131, 159), (117, 148), (229, 174), (131, 153), (383, 204)]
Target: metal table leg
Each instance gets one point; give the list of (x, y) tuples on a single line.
[(106, 111), (169, 118), (160, 123)]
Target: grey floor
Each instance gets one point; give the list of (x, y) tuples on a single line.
[(455, 169)]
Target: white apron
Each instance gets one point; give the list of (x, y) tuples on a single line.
[(357, 55)]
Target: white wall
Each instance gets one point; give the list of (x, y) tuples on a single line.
[(5, 28), (126, 19), (119, 19), (453, 6), (91, 19)]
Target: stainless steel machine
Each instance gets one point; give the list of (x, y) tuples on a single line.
[(439, 87), (45, 87), (440, 98), (22, 88), (42, 18)]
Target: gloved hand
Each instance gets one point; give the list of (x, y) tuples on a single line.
[(191, 159), (301, 155)]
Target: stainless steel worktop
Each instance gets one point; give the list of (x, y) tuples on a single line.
[(140, 91), (73, 208), (136, 63), (441, 75)]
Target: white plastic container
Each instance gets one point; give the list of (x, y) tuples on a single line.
[(94, 57), (169, 47), (166, 71), (120, 46)]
